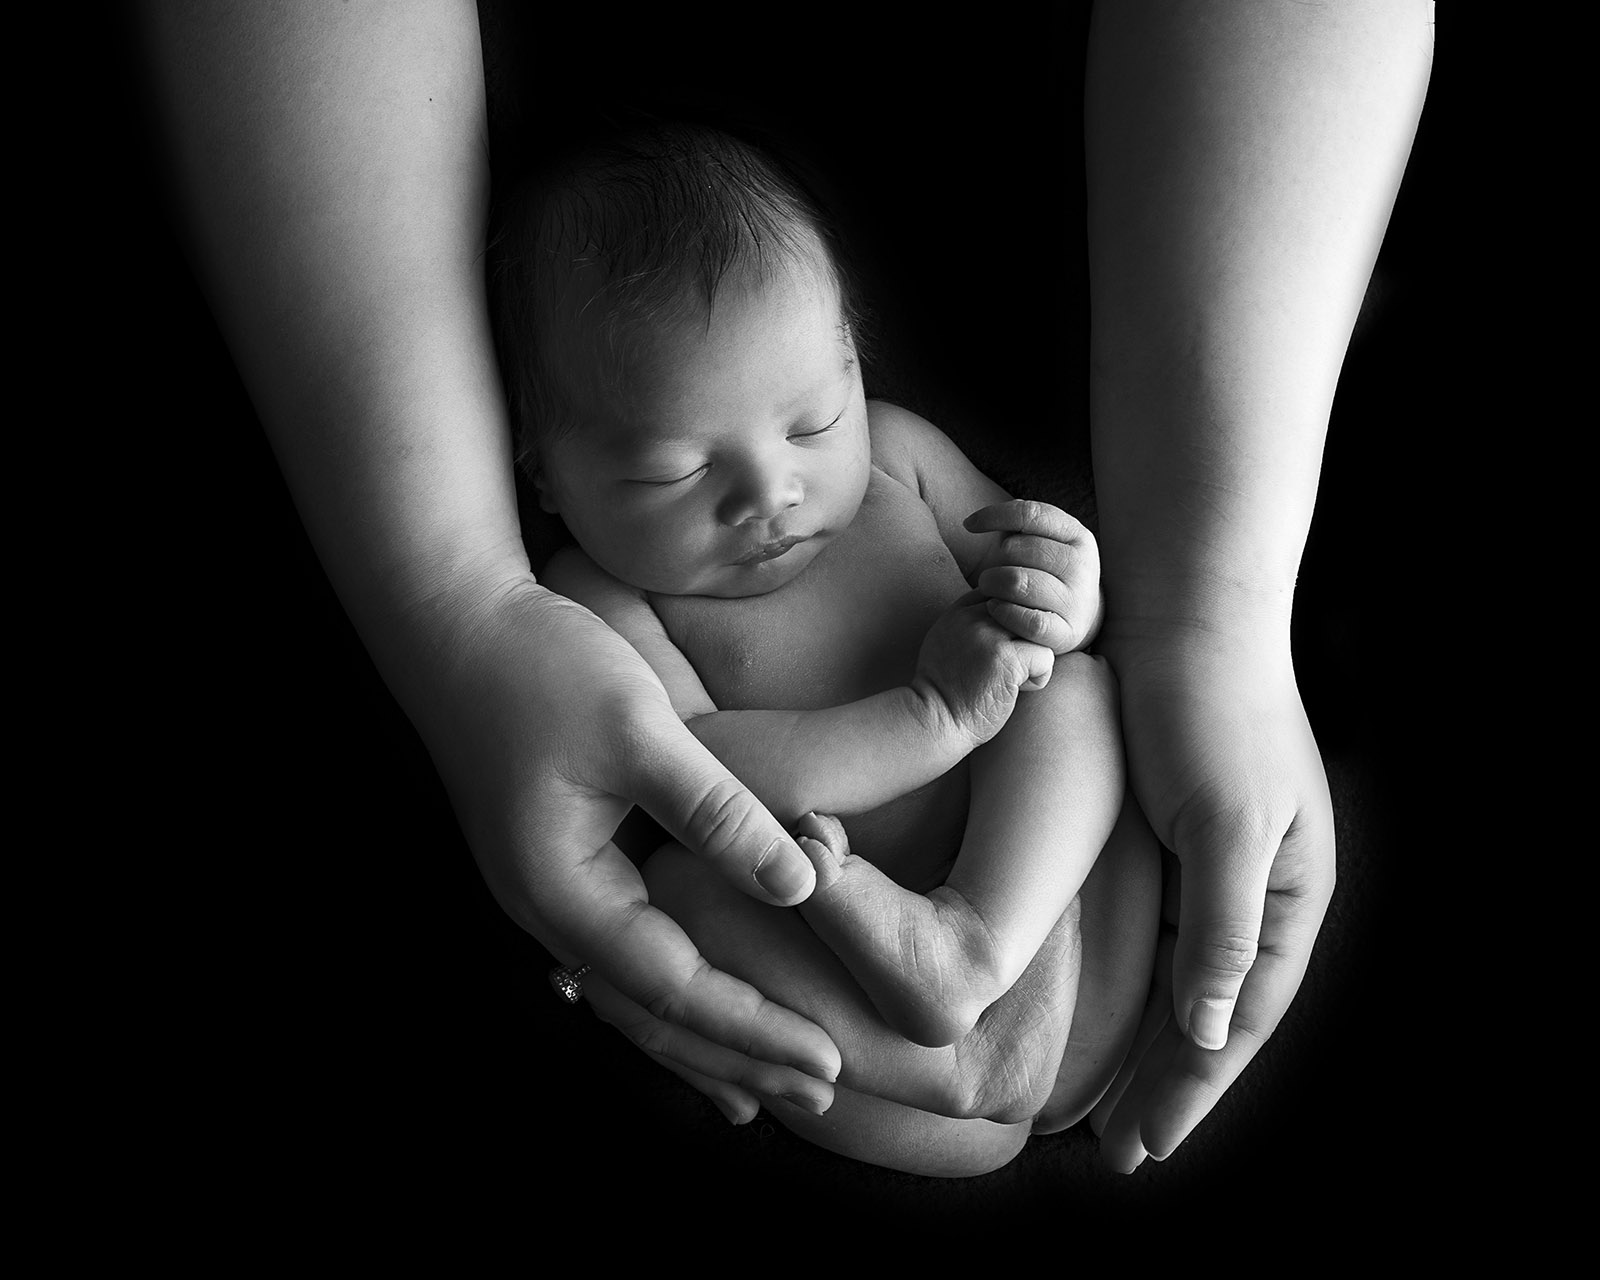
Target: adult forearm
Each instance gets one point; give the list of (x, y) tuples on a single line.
[(1242, 163), (328, 165), (837, 760)]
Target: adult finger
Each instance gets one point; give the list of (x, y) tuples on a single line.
[(648, 958), (730, 1080), (690, 792), (1226, 865), (1185, 1088), (1179, 1082), (738, 1106)]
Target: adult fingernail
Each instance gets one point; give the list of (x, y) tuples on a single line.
[(1208, 1023), (781, 873), (806, 1102)]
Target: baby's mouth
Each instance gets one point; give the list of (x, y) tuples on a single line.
[(772, 550)]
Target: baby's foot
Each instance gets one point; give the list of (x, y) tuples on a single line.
[(927, 962), (1009, 1064)]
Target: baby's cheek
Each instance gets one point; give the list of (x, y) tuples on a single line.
[(665, 558)]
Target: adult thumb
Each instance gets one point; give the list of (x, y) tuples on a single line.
[(1223, 892), (685, 788)]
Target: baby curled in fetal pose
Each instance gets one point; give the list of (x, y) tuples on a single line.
[(881, 643)]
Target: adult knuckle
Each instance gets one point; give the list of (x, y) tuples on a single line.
[(1251, 1029), (1201, 1086), (634, 726), (1228, 955), (652, 1037), (670, 1000), (1230, 828), (719, 817)]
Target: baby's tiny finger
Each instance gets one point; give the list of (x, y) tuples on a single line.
[(1030, 588), (1023, 515), (1065, 560), (1037, 626)]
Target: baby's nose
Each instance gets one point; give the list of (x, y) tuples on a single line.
[(763, 493)]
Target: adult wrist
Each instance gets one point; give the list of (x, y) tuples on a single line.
[(429, 640), (1235, 614)]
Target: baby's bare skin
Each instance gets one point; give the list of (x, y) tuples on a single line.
[(849, 627), (852, 626), (857, 622)]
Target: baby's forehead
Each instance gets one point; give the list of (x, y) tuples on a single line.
[(621, 372)]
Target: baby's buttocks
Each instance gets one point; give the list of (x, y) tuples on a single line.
[(848, 627)]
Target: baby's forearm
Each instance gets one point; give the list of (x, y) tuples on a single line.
[(837, 760)]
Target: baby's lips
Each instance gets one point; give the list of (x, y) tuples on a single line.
[(773, 549)]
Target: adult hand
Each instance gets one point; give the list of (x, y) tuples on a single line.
[(1223, 762), (555, 727)]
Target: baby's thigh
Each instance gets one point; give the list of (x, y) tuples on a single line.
[(775, 951)]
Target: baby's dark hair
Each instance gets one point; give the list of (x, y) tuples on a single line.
[(653, 220)]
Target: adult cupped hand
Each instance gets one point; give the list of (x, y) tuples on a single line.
[(551, 729), (1222, 760)]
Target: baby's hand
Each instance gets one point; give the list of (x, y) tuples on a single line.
[(975, 669), (1042, 579)]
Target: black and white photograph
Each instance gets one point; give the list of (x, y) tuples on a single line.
[(787, 629)]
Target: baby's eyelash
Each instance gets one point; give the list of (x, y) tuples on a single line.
[(806, 435), (659, 484)]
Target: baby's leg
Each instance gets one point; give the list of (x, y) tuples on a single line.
[(1003, 1070), (1045, 795), (1121, 920)]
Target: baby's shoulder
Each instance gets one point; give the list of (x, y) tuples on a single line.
[(900, 441), (571, 573)]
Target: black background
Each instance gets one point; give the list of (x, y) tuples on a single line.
[(317, 1008)]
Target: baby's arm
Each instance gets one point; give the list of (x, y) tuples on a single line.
[(1046, 790), (845, 759), (1037, 565)]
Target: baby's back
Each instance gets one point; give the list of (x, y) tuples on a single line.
[(850, 626)]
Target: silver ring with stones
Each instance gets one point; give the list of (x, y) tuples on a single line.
[(568, 982)]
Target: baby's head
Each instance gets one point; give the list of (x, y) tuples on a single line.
[(678, 339)]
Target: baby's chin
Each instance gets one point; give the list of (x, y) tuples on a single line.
[(739, 581)]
